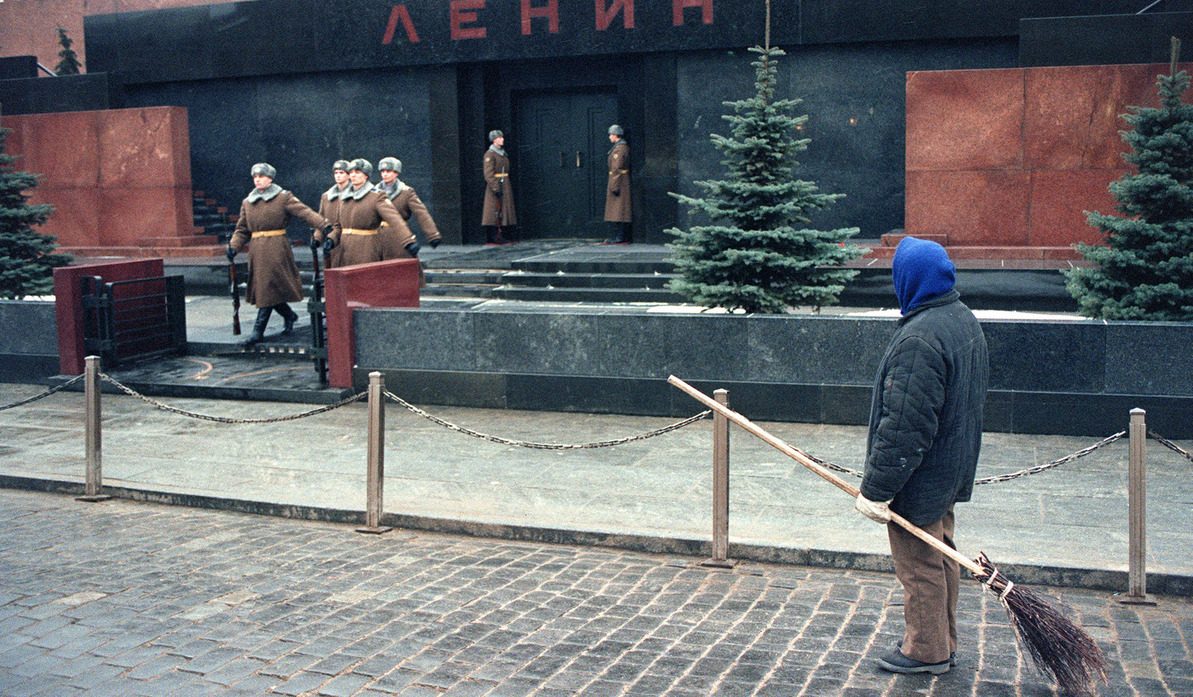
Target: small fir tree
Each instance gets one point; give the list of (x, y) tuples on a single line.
[(756, 254), (69, 65), (1145, 271), (26, 256)]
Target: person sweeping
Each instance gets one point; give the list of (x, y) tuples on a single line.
[(922, 448)]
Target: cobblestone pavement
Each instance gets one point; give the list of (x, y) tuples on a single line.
[(121, 598)]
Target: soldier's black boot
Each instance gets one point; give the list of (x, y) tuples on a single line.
[(258, 327), (289, 316)]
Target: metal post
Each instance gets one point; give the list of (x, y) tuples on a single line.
[(1137, 497), (91, 393), (720, 486), (376, 474)]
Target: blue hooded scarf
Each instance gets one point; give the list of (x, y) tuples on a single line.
[(921, 271)]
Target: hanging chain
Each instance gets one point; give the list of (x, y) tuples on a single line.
[(45, 394), (545, 446), (1170, 445), (227, 420)]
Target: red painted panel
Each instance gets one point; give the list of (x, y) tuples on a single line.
[(391, 283), (68, 302)]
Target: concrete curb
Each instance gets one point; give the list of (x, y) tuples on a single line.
[(1056, 576)]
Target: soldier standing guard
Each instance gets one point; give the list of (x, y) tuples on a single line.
[(618, 209), (273, 275), (362, 210), (498, 218), (405, 199)]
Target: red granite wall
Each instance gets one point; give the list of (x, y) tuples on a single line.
[(1014, 157), (119, 179)]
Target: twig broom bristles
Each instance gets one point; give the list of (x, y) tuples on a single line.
[(1057, 646)]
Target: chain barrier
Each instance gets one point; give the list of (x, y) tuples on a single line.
[(226, 420), (1013, 475), (43, 395), (1169, 444), (545, 446)]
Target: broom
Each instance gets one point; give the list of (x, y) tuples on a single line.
[(1057, 646)]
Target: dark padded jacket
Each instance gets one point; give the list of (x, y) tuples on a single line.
[(926, 414)]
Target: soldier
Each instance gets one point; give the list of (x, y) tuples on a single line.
[(362, 210), (498, 218), (329, 206), (617, 191), (405, 199), (273, 276)]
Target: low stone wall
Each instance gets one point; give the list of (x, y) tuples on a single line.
[(28, 340), (1076, 378)]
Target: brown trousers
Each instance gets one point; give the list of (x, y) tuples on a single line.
[(930, 582)]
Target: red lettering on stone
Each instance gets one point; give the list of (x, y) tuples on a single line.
[(464, 11), (399, 13), (549, 12), (678, 6), (604, 17)]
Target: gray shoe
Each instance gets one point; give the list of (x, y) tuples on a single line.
[(896, 662), (952, 655)]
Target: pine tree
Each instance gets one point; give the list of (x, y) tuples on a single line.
[(26, 256), (1145, 271), (69, 65), (757, 255)]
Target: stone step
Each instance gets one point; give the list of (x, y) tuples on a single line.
[(629, 281), (593, 295)]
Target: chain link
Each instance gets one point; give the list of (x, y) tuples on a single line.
[(227, 420), (545, 446), (45, 394), (1169, 444), (1002, 477)]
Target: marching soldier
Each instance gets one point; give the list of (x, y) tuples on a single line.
[(362, 210), (498, 218), (273, 276), (329, 206), (617, 191), (405, 199)]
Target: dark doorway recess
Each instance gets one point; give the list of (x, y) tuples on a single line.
[(563, 148)]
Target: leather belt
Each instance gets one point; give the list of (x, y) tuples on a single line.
[(503, 175), (351, 231), (619, 171), (268, 233)]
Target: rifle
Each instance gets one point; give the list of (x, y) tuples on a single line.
[(318, 312), (235, 289)]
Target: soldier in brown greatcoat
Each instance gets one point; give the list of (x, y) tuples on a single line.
[(406, 199), (498, 218), (329, 206), (358, 228), (273, 276), (617, 191)]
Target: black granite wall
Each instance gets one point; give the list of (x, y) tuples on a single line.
[(28, 340), (1078, 378)]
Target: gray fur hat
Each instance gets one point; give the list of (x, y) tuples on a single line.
[(264, 169), (616, 130), (391, 164), (361, 164), (495, 134), (342, 165)]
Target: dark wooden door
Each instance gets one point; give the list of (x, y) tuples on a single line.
[(562, 149)]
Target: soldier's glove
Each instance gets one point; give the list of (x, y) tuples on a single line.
[(413, 248), (329, 244), (616, 192), (498, 193), (231, 253), (877, 511), (435, 242), (315, 243)]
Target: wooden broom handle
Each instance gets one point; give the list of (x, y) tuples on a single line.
[(833, 479)]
